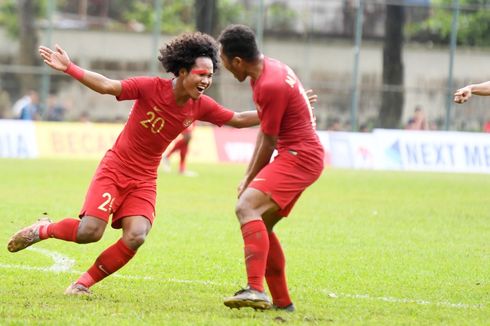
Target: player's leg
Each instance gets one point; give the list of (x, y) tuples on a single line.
[(88, 229), (250, 207), (275, 273), (135, 230), (184, 149), (98, 205)]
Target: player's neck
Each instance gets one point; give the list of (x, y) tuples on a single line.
[(255, 69), (181, 97)]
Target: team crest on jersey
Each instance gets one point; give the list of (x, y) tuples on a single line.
[(187, 122)]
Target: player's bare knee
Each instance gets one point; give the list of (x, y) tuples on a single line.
[(134, 239), (242, 210), (89, 233)]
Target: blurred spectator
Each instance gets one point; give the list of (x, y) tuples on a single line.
[(84, 117), (418, 121), (364, 128), (334, 125), (27, 107), (55, 111), (4, 104), (486, 126)]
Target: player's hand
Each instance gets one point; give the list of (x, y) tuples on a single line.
[(312, 97), (57, 59), (242, 186), (462, 95)]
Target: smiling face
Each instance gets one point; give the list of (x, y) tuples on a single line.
[(199, 78)]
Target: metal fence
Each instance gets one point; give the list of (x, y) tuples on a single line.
[(337, 47)]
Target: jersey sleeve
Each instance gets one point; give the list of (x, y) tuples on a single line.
[(213, 112), (272, 100), (135, 87)]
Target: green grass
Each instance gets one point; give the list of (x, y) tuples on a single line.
[(395, 248)]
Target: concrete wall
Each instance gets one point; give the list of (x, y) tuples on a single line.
[(325, 65)]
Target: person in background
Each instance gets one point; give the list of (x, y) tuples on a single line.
[(269, 190), (418, 121), (182, 146), (55, 111), (27, 107)]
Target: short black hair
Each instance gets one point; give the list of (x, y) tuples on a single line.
[(239, 41), (183, 51)]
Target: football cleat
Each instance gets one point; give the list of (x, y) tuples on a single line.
[(27, 236), (248, 297), (77, 289), (288, 308)]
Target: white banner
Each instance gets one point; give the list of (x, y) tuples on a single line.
[(432, 151), (352, 150), (17, 139)]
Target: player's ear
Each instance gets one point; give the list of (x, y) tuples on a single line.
[(183, 72), (237, 61)]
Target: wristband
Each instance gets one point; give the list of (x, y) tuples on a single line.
[(75, 71)]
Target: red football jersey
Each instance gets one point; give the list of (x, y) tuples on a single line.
[(284, 109), (154, 121)]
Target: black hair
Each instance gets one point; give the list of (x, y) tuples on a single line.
[(239, 41), (183, 51)]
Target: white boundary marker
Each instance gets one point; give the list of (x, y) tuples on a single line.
[(64, 264)]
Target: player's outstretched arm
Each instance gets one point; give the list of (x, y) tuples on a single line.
[(244, 119), (463, 94), (58, 59)]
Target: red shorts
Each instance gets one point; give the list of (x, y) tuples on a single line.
[(285, 179), (114, 193)]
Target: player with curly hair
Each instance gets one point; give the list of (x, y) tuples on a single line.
[(124, 184)]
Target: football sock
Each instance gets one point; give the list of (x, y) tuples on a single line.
[(177, 146), (275, 273), (65, 229), (256, 248), (183, 155), (109, 261)]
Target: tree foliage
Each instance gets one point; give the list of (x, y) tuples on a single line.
[(473, 23)]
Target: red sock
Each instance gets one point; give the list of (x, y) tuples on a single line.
[(275, 273), (109, 261), (256, 248), (183, 155), (177, 146), (65, 229)]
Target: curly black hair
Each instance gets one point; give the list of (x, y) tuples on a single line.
[(183, 51), (239, 41)]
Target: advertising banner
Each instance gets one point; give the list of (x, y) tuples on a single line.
[(352, 150), (17, 139), (433, 151), (75, 140)]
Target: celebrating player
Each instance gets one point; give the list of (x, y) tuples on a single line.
[(463, 94), (124, 184), (269, 191)]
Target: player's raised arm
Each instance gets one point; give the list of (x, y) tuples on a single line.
[(463, 94), (59, 60)]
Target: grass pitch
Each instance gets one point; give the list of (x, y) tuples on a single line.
[(362, 247)]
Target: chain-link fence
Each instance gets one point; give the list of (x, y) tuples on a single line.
[(371, 62)]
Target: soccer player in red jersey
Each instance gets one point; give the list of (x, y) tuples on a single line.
[(124, 184), (269, 190)]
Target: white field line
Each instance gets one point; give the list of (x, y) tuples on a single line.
[(63, 264), (403, 300)]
